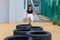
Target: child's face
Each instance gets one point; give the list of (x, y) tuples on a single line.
[(30, 8)]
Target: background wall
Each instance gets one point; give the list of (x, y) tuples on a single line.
[(4, 10), (16, 11), (12, 10), (20, 11)]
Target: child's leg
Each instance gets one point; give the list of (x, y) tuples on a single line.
[(28, 19), (31, 19)]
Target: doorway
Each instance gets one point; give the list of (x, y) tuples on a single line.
[(37, 9), (36, 5)]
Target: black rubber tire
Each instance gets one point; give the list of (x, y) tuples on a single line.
[(39, 35), (23, 26), (21, 31), (36, 28), (21, 37)]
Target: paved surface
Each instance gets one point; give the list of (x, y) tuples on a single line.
[(39, 18), (6, 29)]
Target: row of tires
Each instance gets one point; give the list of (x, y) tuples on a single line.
[(29, 32)]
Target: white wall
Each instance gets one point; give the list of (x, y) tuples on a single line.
[(12, 5), (16, 11), (20, 12), (4, 10), (12, 10)]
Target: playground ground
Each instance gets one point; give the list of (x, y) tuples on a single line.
[(6, 29)]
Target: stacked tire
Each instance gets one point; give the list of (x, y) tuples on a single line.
[(21, 31), (23, 26), (29, 32), (39, 35), (36, 28), (20, 37)]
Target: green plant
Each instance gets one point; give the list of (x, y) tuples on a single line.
[(56, 20)]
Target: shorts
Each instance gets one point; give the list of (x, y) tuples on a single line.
[(31, 17)]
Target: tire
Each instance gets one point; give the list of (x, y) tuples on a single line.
[(39, 35), (36, 28), (20, 31), (23, 26), (21, 37)]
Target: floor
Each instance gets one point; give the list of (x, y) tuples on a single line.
[(6, 29), (39, 18)]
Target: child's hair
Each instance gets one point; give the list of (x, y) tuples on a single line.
[(29, 6)]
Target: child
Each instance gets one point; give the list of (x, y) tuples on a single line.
[(29, 14)]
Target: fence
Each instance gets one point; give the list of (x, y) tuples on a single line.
[(51, 9)]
